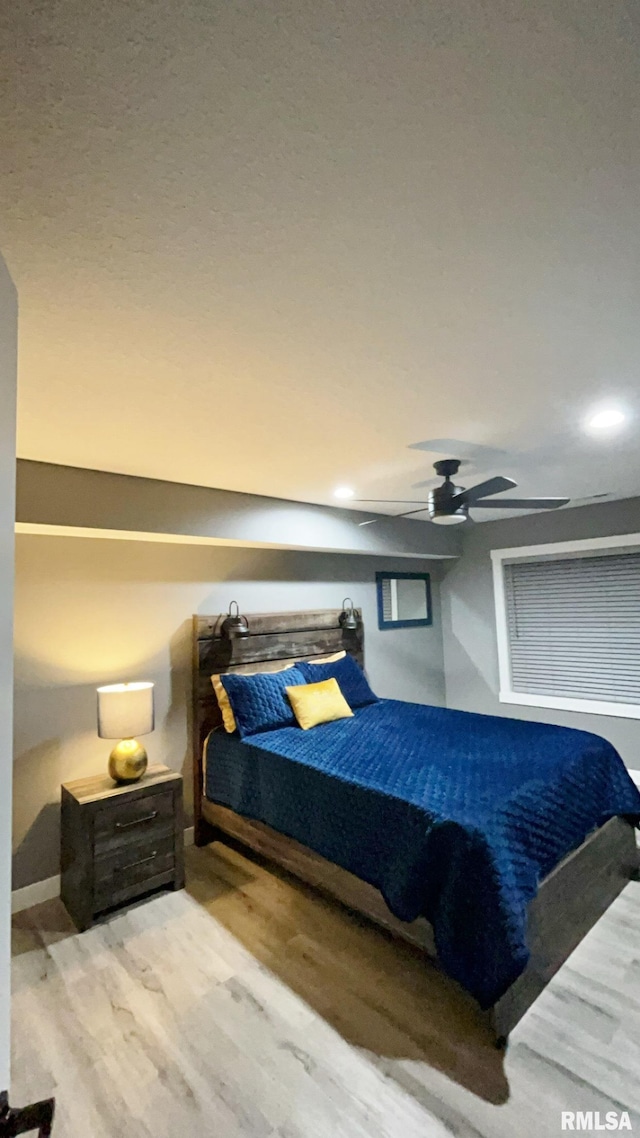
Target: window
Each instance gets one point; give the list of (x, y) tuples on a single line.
[(568, 623)]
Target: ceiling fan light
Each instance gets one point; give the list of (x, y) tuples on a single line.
[(449, 519)]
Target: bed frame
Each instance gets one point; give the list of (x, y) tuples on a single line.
[(569, 901)]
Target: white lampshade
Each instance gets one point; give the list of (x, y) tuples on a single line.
[(125, 710)]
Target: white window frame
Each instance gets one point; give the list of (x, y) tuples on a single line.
[(560, 549)]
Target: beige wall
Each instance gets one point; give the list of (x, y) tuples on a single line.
[(90, 611)]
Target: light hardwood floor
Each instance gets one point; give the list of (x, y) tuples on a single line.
[(249, 1006)]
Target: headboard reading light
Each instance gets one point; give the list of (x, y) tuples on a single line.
[(236, 626), (348, 618)]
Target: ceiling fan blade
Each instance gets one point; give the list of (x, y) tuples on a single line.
[(483, 490), (421, 510), (392, 501), (407, 514), (522, 504)]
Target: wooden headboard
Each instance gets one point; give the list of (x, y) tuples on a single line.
[(274, 638)]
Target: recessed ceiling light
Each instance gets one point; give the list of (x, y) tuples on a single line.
[(607, 419), (343, 492)]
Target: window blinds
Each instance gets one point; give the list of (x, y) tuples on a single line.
[(574, 627)]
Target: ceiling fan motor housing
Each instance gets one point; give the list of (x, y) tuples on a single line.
[(441, 507)]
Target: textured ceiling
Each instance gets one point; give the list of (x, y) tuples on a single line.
[(267, 246)]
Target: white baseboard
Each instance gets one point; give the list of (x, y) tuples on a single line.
[(35, 894), (49, 888)]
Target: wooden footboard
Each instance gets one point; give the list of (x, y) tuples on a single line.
[(569, 901)]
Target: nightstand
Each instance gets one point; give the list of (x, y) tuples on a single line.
[(119, 842)]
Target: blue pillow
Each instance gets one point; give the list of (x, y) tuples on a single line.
[(350, 677), (259, 702)]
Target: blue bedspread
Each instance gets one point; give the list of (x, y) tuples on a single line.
[(453, 816)]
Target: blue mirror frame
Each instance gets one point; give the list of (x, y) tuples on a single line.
[(388, 624)]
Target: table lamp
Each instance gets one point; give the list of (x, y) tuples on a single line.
[(125, 711)]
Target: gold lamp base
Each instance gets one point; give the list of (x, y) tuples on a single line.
[(127, 761)]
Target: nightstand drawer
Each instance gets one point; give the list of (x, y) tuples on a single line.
[(131, 865), (127, 823)]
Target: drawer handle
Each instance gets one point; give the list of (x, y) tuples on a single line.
[(137, 821), (142, 861)]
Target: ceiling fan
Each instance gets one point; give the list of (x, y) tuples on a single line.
[(449, 504)]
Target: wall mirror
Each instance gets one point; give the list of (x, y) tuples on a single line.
[(404, 600)]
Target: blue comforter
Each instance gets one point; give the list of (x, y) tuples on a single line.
[(453, 816)]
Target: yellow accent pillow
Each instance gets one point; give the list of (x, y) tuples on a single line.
[(228, 718), (328, 659), (318, 703)]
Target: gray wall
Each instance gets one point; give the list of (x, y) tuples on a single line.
[(70, 496), (90, 611), (8, 342), (468, 615)]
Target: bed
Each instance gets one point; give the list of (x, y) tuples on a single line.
[(426, 820)]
